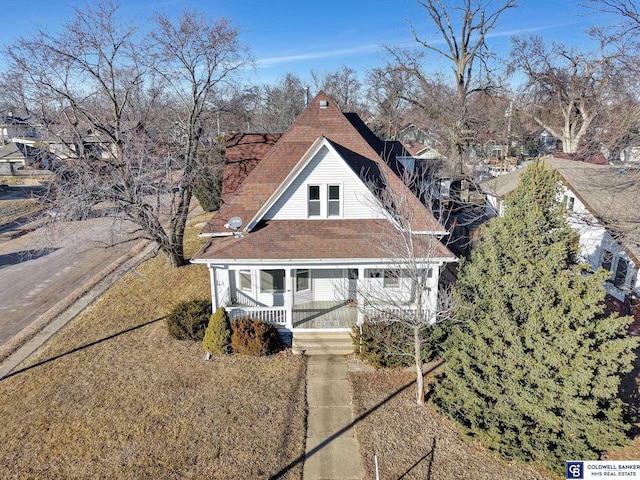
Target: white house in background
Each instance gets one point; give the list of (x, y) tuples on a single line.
[(630, 155), (300, 239), (603, 207), (14, 128), (17, 156)]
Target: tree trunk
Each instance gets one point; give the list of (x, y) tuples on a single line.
[(418, 362), (175, 257)]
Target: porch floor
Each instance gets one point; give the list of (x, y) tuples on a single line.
[(324, 314)]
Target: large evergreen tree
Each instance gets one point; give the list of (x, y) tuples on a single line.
[(534, 366)]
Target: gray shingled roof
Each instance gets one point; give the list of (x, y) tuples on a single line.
[(611, 194)]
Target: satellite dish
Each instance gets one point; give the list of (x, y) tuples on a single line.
[(234, 223)]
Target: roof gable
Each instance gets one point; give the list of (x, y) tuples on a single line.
[(325, 164), (349, 137)]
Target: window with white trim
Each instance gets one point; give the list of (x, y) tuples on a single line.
[(333, 201), (302, 280), (313, 201), (245, 280), (272, 281), (621, 272), (391, 278), (607, 259)]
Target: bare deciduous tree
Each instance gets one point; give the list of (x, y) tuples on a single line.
[(463, 27), (385, 87), (342, 86), (418, 260), (620, 34), (283, 102), (128, 111), (565, 89), (198, 58), (627, 11)]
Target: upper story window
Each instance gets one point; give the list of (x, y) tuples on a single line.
[(313, 207), (324, 201), (569, 202), (333, 201), (620, 273), (617, 266), (607, 259)]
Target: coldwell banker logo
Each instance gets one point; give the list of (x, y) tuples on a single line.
[(575, 470)]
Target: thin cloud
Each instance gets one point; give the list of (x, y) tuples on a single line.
[(520, 31), (271, 61)]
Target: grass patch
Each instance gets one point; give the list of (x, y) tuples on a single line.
[(414, 442), (112, 396), (15, 210)]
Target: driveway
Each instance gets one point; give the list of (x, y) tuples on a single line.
[(42, 267)]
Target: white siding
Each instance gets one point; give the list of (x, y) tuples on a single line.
[(594, 239), (222, 288), (304, 295), (326, 168), (325, 283)]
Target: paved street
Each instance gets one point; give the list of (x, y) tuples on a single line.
[(42, 267)]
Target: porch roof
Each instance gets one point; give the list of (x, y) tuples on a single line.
[(313, 240)]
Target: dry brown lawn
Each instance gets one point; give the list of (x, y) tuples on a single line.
[(414, 442), (112, 396), (14, 210)]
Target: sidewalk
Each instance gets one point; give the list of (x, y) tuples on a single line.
[(332, 451), (72, 307), (32, 337)]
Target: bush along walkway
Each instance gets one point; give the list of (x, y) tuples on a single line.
[(332, 450)]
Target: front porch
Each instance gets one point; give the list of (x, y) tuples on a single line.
[(317, 298), (315, 314)]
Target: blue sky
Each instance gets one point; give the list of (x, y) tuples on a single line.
[(299, 36)]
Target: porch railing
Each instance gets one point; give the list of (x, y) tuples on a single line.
[(273, 315), (388, 312), (244, 299)]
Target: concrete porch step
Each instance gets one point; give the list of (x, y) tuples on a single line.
[(321, 342)]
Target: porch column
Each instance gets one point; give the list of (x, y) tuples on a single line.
[(359, 297), (214, 288), (288, 298)]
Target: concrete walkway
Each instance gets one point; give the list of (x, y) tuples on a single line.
[(332, 451)]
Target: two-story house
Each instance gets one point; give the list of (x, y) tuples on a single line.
[(603, 206), (308, 235)]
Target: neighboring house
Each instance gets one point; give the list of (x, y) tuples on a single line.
[(419, 141), (242, 153), (630, 155), (303, 235), (15, 127), (603, 207), (427, 153), (16, 156), (545, 142)]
